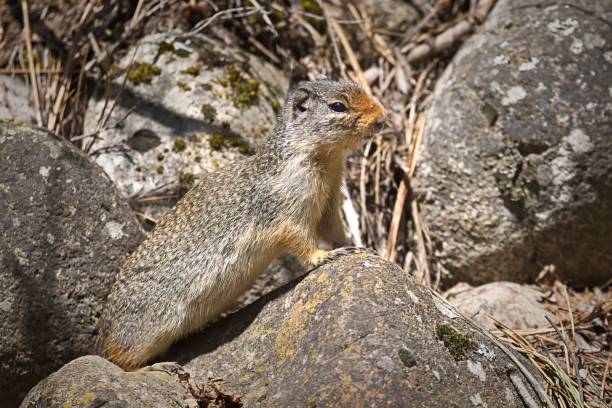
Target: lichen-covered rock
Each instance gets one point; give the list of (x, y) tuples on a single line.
[(92, 381), (515, 171), (354, 332), (515, 305), (192, 105), (64, 232)]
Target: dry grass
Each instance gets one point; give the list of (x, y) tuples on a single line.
[(400, 68), (573, 352)]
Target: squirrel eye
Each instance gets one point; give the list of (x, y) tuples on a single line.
[(338, 107)]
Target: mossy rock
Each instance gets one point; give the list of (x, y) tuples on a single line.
[(355, 332), (178, 89), (91, 381)]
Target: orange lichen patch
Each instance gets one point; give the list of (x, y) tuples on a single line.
[(116, 354)]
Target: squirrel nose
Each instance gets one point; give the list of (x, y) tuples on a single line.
[(378, 124)]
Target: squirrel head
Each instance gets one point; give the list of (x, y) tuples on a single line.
[(329, 116)]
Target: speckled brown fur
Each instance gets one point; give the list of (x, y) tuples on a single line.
[(217, 240)]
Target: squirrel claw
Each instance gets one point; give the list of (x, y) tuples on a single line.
[(343, 251), (169, 367)]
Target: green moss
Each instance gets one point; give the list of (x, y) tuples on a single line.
[(36, 59), (197, 159), (183, 86), (209, 112), (244, 91), (500, 372), (159, 169), (313, 7), (165, 47), (182, 53), (186, 180), (219, 141), (138, 168), (205, 87), (216, 141), (254, 19), (141, 72), (160, 156), (179, 145), (407, 357), (275, 105), (458, 344), (193, 71)]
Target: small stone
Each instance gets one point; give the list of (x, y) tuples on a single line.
[(408, 358)]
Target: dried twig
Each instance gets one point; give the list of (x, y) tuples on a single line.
[(33, 78), (441, 42)]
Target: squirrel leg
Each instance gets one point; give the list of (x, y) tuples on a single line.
[(331, 227), (303, 244)]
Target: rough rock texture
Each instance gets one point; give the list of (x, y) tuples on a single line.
[(92, 381), (517, 306), (515, 172), (64, 232), (15, 102), (197, 104), (355, 332)]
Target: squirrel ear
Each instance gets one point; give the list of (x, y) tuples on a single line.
[(300, 97)]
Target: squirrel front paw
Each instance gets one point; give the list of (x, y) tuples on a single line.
[(340, 252), (169, 367)]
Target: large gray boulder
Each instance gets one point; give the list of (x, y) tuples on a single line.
[(64, 232), (354, 332), (515, 171)]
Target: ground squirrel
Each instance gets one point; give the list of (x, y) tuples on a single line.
[(210, 248)]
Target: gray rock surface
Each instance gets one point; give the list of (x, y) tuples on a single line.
[(354, 332), (515, 171), (64, 232), (515, 305), (92, 381), (15, 99), (195, 105)]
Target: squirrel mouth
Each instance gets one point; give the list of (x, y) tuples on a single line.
[(378, 126)]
